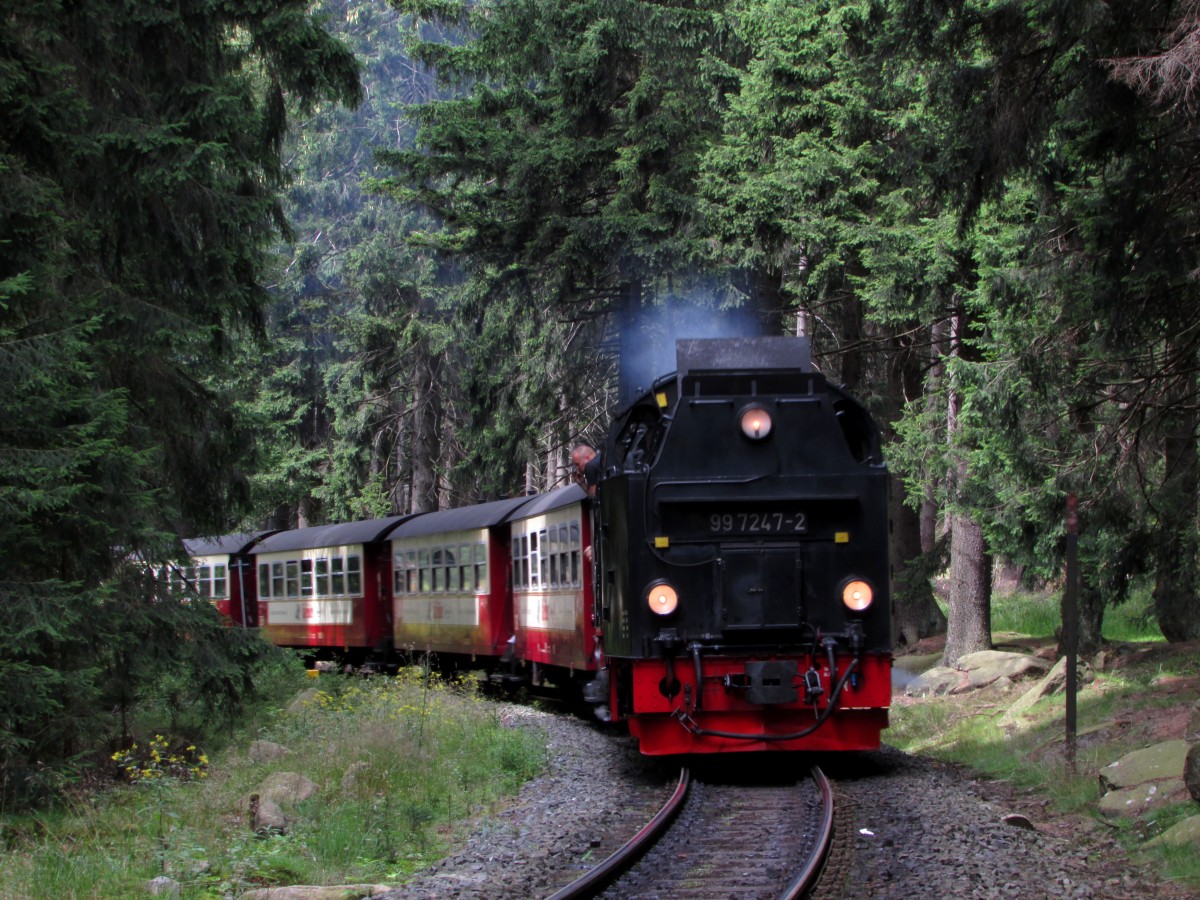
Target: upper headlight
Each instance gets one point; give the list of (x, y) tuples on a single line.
[(756, 422)]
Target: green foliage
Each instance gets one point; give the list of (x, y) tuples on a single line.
[(139, 166), (399, 764)]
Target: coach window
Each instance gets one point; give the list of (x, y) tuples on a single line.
[(277, 580), (439, 570), (481, 579), (544, 559), (202, 582), (353, 575), (410, 571), (452, 581), (564, 556), (264, 580), (220, 586), (466, 570), (337, 576), (524, 558), (552, 552), (399, 575), (322, 570), (293, 577), (426, 572), (306, 578), (575, 572)]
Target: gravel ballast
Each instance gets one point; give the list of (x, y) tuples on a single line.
[(921, 829)]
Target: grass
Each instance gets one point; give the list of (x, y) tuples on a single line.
[(969, 729), (399, 764)]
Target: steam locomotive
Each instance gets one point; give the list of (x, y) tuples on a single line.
[(726, 590), (744, 584)]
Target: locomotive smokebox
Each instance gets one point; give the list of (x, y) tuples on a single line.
[(742, 353)]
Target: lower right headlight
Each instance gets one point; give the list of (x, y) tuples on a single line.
[(857, 595)]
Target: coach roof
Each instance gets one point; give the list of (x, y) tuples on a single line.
[(484, 515), (556, 499), (364, 532), (226, 544)]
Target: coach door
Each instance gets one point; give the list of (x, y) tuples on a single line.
[(760, 587)]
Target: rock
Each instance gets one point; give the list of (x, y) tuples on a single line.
[(1181, 834), (986, 666), (286, 788), (1192, 732), (1191, 771), (267, 751), (162, 886), (352, 773), (935, 682), (1052, 683), (266, 817), (1159, 762), (1018, 821), (303, 701), (1133, 801), (316, 892)]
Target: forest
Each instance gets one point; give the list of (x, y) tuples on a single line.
[(294, 263)]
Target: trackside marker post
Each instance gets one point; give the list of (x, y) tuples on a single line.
[(1071, 624)]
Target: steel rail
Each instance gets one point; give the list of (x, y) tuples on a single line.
[(806, 878), (600, 877)]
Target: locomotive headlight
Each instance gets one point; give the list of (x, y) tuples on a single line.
[(857, 595), (662, 598), (756, 422)]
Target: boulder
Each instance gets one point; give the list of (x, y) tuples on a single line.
[(266, 751), (316, 892), (1191, 771), (1136, 800), (1159, 762), (350, 779), (1192, 732), (934, 683), (286, 788), (986, 666), (266, 817), (303, 701), (1181, 834), (162, 886)]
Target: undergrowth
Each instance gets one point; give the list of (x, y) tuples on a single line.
[(399, 763)]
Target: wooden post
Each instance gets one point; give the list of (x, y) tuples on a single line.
[(1071, 625)]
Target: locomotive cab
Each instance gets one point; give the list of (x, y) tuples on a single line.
[(743, 572)]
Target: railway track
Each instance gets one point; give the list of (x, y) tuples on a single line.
[(715, 841)]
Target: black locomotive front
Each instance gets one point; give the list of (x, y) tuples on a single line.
[(743, 557)]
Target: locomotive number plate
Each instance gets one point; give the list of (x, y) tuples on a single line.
[(766, 522)]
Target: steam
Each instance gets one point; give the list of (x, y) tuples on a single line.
[(648, 345)]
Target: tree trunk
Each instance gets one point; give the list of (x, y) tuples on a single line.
[(426, 432), (969, 626), (915, 614), (970, 621), (1175, 583)]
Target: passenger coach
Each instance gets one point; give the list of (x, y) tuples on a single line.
[(450, 581), (324, 588), (553, 610), (222, 571)]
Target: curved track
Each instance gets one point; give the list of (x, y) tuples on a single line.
[(721, 841)]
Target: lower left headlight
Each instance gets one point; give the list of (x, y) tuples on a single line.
[(662, 598)]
